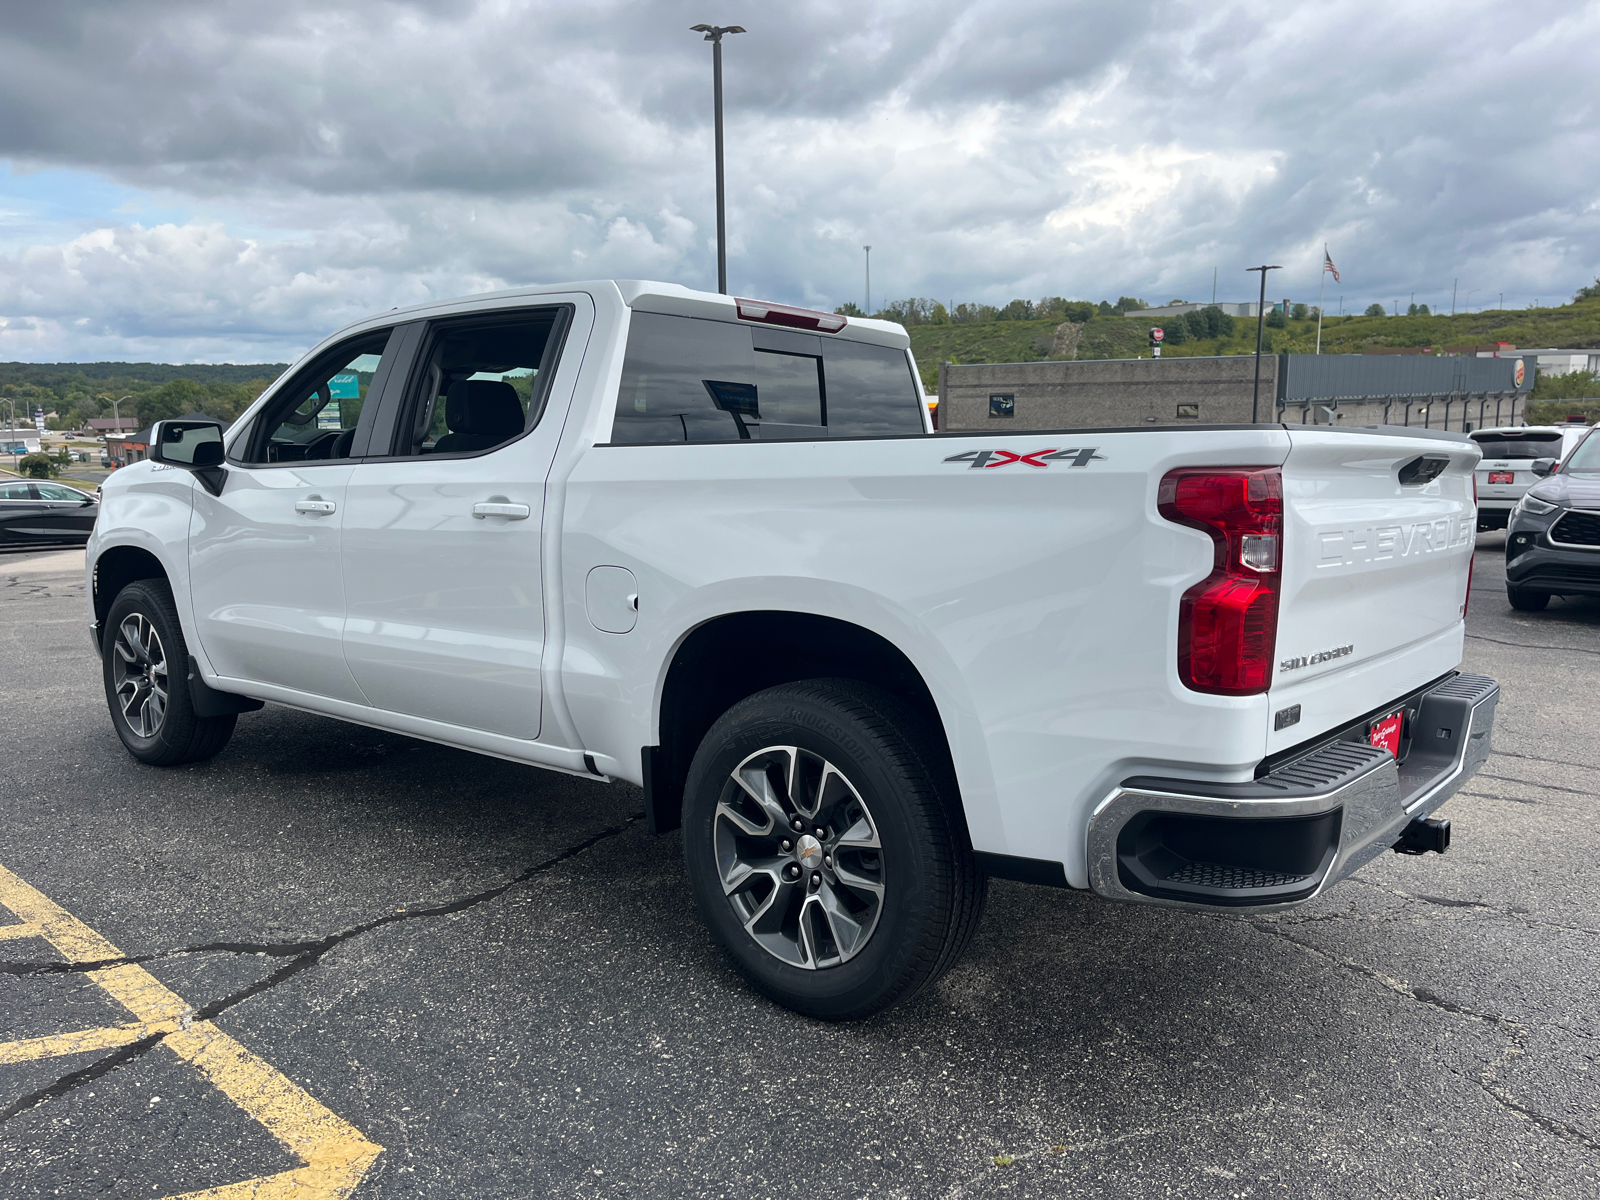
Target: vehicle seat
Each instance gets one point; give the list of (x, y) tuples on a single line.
[(481, 413), (341, 448)]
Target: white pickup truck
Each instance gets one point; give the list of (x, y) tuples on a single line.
[(713, 547)]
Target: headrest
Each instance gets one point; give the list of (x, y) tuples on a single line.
[(486, 407)]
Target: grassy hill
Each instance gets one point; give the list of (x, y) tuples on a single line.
[(1575, 326)]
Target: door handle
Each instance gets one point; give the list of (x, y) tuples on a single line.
[(500, 508), (316, 506)]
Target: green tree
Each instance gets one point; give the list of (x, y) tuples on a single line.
[(849, 309), (37, 466), (1591, 292), (170, 400), (939, 316), (1423, 311), (1373, 310), (1276, 319), (1176, 331), (1126, 304), (1209, 322), (1017, 310), (1574, 385), (1301, 312)]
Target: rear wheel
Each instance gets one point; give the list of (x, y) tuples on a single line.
[(826, 847), (146, 669), (1524, 600)]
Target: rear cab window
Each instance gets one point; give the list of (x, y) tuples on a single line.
[(687, 379)]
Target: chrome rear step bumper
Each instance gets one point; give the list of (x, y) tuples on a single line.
[(1291, 834)]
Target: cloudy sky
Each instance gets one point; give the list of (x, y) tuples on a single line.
[(228, 180)]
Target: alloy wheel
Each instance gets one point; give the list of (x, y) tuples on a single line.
[(799, 857), (139, 675)]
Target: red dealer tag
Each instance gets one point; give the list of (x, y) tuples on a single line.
[(1386, 733)]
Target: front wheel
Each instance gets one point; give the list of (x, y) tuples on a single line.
[(1524, 600), (146, 669), (826, 847)]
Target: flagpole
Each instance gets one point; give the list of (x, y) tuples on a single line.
[(1321, 291)]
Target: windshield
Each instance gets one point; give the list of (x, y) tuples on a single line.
[(1519, 445), (1586, 457)]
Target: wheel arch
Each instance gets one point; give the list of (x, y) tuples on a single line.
[(712, 668), (115, 568)]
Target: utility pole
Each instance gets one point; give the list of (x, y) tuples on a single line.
[(714, 36), (1453, 283), (868, 309), (1213, 285), (1261, 317)]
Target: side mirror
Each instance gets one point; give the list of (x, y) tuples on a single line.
[(193, 445), (1542, 466)]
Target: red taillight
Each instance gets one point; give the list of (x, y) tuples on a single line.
[(794, 318), (1228, 622), (1472, 561)]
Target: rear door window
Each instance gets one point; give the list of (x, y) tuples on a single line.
[(691, 380), (481, 382)]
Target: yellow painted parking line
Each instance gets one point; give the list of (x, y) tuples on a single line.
[(25, 930), (58, 1044), (335, 1153)]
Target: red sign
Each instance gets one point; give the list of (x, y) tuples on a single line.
[(1158, 333), (1385, 733), (1502, 477)]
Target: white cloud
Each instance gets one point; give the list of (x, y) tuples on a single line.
[(250, 177)]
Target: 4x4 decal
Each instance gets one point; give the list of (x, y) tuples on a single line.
[(1039, 458)]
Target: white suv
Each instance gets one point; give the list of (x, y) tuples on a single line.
[(1506, 471)]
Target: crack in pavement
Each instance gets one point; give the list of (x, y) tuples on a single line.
[(302, 955), (1548, 787), (1514, 913), (1537, 758), (1498, 796), (1515, 1032), (1528, 646)]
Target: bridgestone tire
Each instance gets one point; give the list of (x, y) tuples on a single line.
[(933, 892), (1524, 600), (182, 736)]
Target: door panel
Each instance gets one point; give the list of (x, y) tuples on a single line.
[(443, 581), (264, 572), (444, 616)]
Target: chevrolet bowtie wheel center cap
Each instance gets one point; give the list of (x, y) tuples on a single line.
[(809, 851)]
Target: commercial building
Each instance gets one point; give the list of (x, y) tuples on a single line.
[(1178, 310), (109, 425), (1326, 389)]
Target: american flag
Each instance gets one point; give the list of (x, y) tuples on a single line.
[(1327, 265)]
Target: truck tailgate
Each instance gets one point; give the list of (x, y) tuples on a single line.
[(1379, 531)]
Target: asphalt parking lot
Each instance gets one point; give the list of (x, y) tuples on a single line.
[(346, 941)]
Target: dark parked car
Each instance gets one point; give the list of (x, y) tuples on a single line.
[(1553, 542), (36, 512)]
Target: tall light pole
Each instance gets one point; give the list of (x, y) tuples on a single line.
[(868, 309), (1261, 318), (11, 420), (714, 36)]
